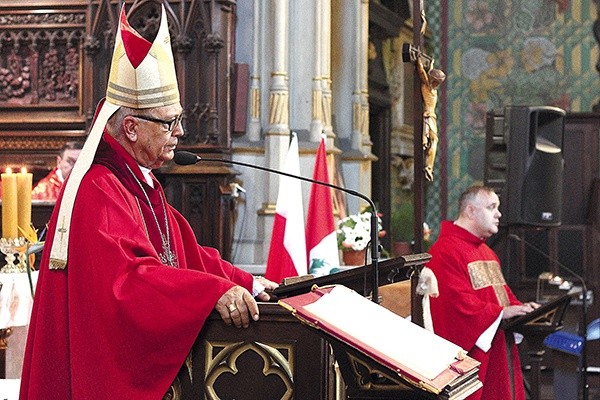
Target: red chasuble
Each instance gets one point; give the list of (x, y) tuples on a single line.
[(117, 323), (48, 188), (472, 295)]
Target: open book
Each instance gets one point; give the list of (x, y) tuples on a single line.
[(417, 355)]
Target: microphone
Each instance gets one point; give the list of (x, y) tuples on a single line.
[(584, 364), (188, 158), (185, 158)]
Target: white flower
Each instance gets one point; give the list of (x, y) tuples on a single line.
[(354, 231)]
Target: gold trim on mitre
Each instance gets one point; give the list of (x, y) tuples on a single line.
[(152, 83)]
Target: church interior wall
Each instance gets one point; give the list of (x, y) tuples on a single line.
[(494, 56), (531, 53)]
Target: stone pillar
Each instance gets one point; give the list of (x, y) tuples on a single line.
[(254, 126), (277, 131)]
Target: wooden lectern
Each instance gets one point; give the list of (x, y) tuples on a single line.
[(276, 357)]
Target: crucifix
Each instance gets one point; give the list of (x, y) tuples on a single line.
[(425, 136), (424, 144), (430, 79)]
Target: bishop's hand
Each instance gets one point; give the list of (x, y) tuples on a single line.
[(237, 306), (266, 286)]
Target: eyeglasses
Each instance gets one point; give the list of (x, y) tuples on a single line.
[(170, 124)]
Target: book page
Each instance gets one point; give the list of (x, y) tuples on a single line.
[(403, 341)]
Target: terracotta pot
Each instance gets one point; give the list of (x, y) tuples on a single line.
[(402, 248), (354, 257)]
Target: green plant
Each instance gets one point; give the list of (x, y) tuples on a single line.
[(402, 223)]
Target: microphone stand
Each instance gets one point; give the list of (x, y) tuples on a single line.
[(584, 313), (374, 233)]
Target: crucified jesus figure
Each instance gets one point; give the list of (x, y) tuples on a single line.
[(429, 83)]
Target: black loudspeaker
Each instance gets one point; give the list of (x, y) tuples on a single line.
[(525, 164)]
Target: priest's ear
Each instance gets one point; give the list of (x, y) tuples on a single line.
[(129, 128), (470, 210)]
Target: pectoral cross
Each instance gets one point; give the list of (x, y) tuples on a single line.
[(168, 257)]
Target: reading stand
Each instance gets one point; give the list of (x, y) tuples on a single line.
[(381, 355), (544, 320), (535, 326), (367, 379), (276, 357), (359, 279)]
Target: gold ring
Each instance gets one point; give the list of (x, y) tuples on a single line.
[(232, 307)]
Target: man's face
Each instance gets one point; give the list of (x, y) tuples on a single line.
[(155, 145), (67, 161), (485, 214)]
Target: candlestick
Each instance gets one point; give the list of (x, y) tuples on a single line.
[(9, 205), (24, 186), (15, 257)]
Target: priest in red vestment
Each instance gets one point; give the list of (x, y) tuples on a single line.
[(473, 296), (124, 288), (49, 186)]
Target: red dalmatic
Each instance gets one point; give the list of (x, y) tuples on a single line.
[(472, 295)]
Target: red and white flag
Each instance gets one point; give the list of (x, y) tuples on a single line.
[(321, 236), (287, 254)]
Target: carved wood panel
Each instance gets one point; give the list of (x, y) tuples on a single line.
[(277, 358), (40, 56), (204, 198), (41, 75)]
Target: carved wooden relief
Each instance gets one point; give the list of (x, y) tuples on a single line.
[(40, 58), (42, 78)]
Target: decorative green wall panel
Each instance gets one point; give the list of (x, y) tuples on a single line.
[(498, 53)]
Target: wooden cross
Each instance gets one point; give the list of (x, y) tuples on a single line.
[(410, 53)]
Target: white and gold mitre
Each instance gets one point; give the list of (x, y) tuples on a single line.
[(142, 75)]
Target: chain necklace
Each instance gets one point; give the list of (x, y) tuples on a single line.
[(167, 257)]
